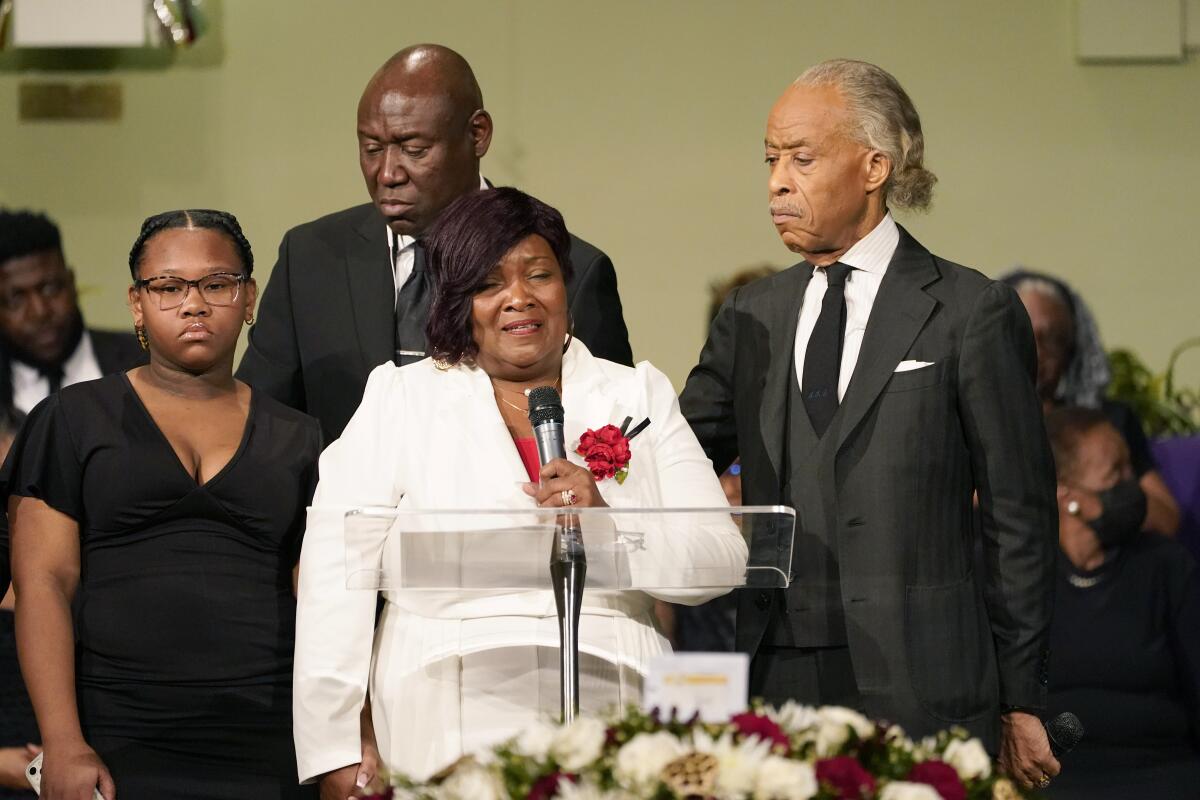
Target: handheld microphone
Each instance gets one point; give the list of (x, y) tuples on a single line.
[(546, 417), (568, 559), (1064, 732)]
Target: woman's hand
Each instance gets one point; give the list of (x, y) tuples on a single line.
[(1079, 503), (12, 767), (74, 772), (361, 779), (354, 780), (563, 482), (1077, 540)]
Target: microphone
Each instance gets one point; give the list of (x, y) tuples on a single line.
[(568, 559), (1064, 732), (546, 417)]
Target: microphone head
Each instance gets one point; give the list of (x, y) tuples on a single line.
[(1064, 732), (544, 406)]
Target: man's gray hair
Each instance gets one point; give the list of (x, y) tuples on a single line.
[(886, 120)]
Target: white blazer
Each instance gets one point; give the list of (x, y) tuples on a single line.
[(433, 439)]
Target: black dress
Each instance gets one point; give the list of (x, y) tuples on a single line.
[(1125, 658), (185, 616)]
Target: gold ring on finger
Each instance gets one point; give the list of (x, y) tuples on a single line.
[(569, 498)]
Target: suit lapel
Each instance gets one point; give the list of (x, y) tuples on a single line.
[(782, 320), (372, 289), (900, 310)]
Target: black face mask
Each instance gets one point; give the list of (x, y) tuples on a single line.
[(1122, 510)]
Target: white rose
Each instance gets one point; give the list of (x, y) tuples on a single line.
[(737, 764), (472, 781), (579, 744), (641, 760), (926, 749), (902, 790), (834, 724), (968, 758), (535, 741), (784, 779), (793, 717)]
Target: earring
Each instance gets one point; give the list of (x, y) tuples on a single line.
[(143, 340), (250, 320), (570, 333)]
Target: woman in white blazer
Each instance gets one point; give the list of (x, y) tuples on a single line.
[(450, 674)]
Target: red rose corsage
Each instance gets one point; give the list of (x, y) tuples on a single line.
[(607, 450)]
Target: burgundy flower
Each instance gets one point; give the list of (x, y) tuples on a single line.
[(845, 777), (546, 786), (941, 776), (606, 451), (763, 727)]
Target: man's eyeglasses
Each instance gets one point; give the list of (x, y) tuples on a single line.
[(218, 289)]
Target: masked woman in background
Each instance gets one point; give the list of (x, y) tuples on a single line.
[(1125, 641), (1072, 370)]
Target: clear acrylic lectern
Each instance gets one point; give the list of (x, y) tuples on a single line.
[(474, 554)]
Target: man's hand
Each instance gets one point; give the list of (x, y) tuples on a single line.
[(353, 780), (1025, 750)]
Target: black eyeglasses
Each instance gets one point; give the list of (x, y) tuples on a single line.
[(218, 289)]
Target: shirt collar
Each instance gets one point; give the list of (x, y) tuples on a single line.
[(874, 252), (405, 241)]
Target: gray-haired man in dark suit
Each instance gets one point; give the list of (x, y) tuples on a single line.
[(878, 389)]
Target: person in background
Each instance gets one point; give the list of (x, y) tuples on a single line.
[(350, 290), (1073, 371), (156, 518), (1124, 644), (44, 344), (18, 727)]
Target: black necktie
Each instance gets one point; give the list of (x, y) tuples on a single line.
[(823, 355), (54, 376), (412, 310)]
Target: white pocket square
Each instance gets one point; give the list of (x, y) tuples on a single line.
[(909, 366)]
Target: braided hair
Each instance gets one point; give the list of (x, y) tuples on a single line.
[(192, 219), (23, 233)]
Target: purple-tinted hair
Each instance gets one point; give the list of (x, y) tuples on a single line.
[(464, 245)]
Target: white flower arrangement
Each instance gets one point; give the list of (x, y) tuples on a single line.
[(794, 752)]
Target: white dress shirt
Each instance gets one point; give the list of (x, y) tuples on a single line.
[(869, 256), (31, 387), (402, 265)]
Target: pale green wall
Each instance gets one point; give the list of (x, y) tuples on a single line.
[(643, 122)]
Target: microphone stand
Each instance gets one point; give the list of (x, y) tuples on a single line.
[(568, 568)]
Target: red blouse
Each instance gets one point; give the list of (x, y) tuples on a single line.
[(529, 457)]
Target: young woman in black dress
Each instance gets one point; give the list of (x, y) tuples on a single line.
[(156, 518)]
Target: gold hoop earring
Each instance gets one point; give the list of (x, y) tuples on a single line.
[(143, 340), (570, 334)]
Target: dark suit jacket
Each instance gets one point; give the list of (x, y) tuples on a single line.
[(932, 643), (326, 318), (116, 351)]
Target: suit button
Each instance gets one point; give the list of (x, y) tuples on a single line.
[(763, 601)]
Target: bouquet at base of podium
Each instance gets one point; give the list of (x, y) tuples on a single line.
[(790, 753)]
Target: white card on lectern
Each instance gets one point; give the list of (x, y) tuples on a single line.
[(714, 684)]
